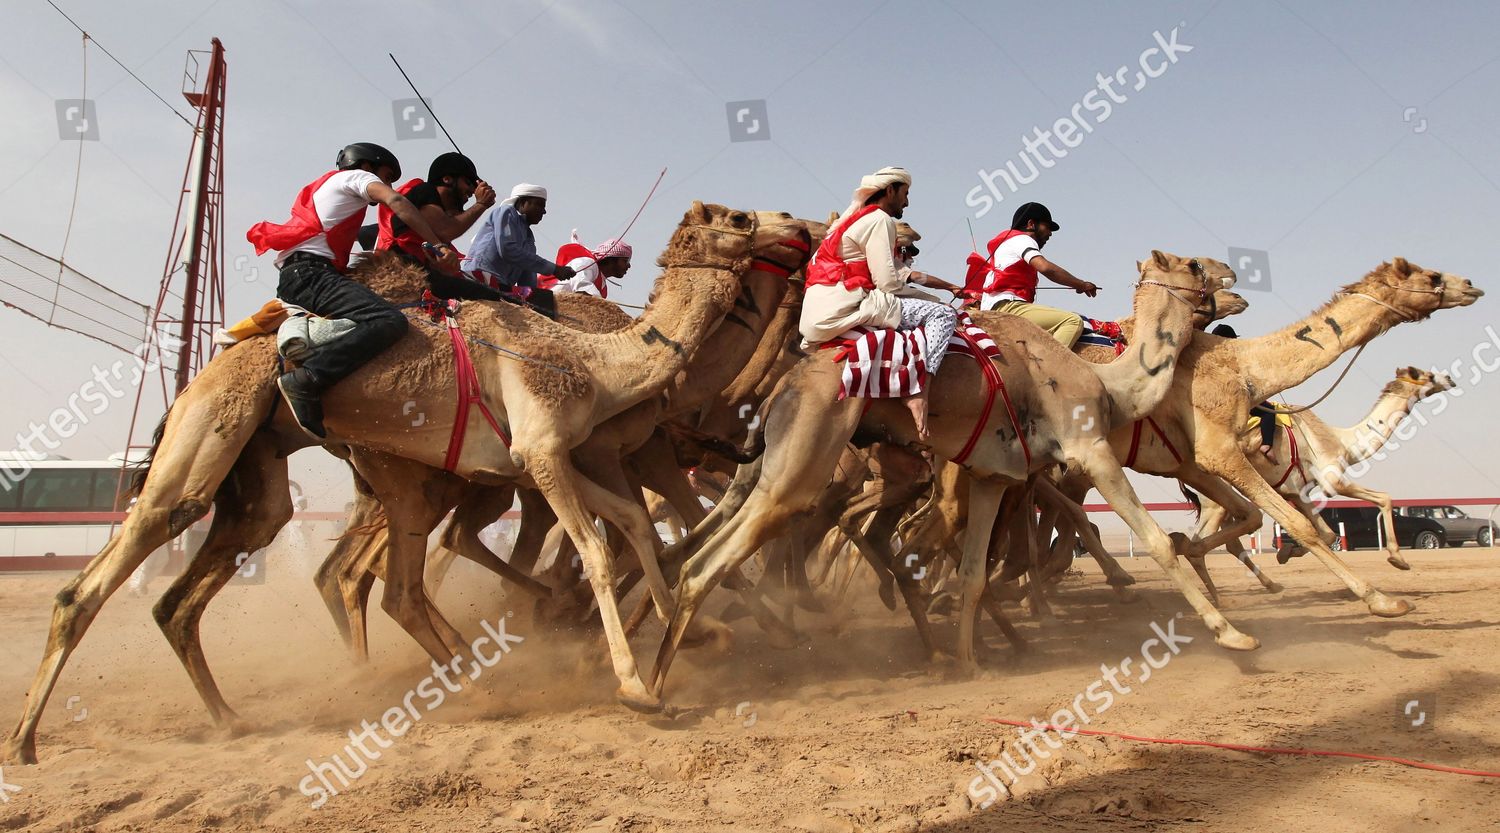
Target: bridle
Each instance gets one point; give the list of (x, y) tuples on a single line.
[(1407, 316), (1173, 290), (757, 262)]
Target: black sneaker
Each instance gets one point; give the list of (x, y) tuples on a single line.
[(305, 400)]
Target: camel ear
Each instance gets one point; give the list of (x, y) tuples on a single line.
[(1401, 266), (833, 217), (696, 214), (1161, 259)]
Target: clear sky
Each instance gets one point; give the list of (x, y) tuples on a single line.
[(1330, 136)]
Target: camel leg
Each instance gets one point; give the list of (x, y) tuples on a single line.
[(1243, 476), (1072, 514), (876, 547), (559, 482), (984, 505), (333, 579), (1220, 498), (1111, 483), (252, 506), (1387, 517), (189, 463), (439, 561), (789, 483), (482, 506), (606, 490), (415, 497)]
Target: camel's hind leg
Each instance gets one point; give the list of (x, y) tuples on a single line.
[(342, 580), (194, 455), (1223, 501), (252, 506)]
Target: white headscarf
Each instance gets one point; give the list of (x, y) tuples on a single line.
[(868, 185), (525, 189)]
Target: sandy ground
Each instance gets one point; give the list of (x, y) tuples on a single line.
[(850, 732)]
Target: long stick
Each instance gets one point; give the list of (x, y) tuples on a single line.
[(972, 239), (649, 195), (425, 105)]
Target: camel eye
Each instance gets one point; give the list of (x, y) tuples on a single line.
[(739, 219), (1437, 280)]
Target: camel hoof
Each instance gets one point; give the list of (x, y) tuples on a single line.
[(1398, 562), (1383, 605), (888, 594), (635, 697), (1236, 641), (1125, 595), (1120, 580), (1273, 587), (18, 752)]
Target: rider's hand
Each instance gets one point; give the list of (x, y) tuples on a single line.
[(444, 258), (484, 194), (563, 273), (1088, 288)]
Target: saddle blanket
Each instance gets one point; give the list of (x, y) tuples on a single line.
[(1102, 334), (893, 363)]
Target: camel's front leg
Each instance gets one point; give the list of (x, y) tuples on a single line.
[(1239, 472), (984, 505), (1111, 483), (1387, 517)]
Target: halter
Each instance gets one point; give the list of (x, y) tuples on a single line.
[(1407, 316), (764, 264), (1173, 290)]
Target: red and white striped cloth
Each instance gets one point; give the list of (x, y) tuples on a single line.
[(893, 363)]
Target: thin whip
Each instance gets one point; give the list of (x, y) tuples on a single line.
[(425, 105)]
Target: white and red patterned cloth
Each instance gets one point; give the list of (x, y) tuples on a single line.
[(893, 363)]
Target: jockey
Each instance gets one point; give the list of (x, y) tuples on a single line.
[(906, 253), (593, 268), (504, 252), (1007, 280), (451, 181), (314, 246), (853, 280)]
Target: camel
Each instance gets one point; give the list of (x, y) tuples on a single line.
[(1323, 456), (806, 428), (1203, 415), (549, 384)]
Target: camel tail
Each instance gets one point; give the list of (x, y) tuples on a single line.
[(1192, 497), (143, 468)]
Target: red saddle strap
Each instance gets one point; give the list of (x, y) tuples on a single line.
[(1135, 442), (469, 393), (992, 383), (1296, 464)]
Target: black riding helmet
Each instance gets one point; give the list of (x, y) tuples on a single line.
[(452, 163), (352, 155)]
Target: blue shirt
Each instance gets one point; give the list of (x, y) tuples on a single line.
[(506, 248)]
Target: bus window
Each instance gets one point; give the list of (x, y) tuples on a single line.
[(105, 482), (10, 495), (58, 490)]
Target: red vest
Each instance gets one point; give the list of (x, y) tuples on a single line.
[(407, 241), (568, 253), (304, 225), (828, 267), (1019, 277)]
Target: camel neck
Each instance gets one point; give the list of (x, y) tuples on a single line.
[(1138, 380), (1290, 356), (645, 357), (1370, 435), (727, 350)]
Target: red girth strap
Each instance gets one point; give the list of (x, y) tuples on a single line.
[(1135, 442), (469, 393), (992, 383), (1291, 443)]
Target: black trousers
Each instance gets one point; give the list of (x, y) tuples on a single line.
[(1267, 416), (311, 282)]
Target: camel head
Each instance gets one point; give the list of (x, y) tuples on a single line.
[(1187, 279), (713, 235), (1416, 384), (1413, 291), (1221, 302)]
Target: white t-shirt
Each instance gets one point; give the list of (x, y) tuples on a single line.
[(1019, 247), (587, 271), (336, 200)]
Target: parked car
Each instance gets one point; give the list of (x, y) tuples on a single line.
[(1412, 532), (1458, 527)]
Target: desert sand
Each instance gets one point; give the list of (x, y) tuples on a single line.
[(850, 732)]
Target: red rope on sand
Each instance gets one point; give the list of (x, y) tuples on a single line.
[(1268, 750)]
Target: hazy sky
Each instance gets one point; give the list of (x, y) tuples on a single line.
[(1288, 128)]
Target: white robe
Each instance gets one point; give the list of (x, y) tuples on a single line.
[(830, 311)]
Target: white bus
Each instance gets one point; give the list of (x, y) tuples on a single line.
[(56, 514)]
